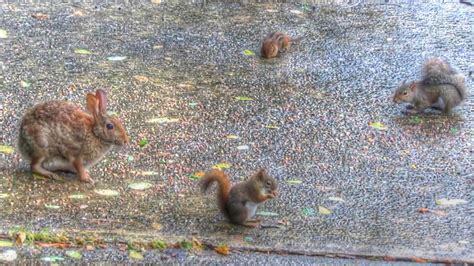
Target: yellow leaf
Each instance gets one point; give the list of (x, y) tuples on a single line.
[(20, 238), (324, 211), (378, 125), (140, 78), (222, 166), (223, 250), (6, 149)]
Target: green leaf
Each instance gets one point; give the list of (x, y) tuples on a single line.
[(77, 196), (74, 254), (454, 130), (450, 202), (3, 34), (222, 166), (25, 84), (197, 175), (415, 120), (6, 149), (6, 243), (308, 211), (324, 211), (265, 213), (272, 127), (158, 244), (142, 143), (162, 120), (378, 125), (243, 98), (135, 255), (8, 255), (248, 239), (139, 185), (82, 51), (294, 181), (130, 158), (248, 52), (186, 245), (107, 192), (50, 206), (116, 58), (4, 195)]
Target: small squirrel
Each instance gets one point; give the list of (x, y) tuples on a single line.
[(239, 202), (440, 88), (275, 42)]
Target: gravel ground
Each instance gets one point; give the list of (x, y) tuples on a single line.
[(307, 123)]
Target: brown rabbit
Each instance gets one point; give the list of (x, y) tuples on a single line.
[(60, 136), (275, 42)]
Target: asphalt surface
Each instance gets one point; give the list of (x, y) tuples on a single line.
[(308, 123)]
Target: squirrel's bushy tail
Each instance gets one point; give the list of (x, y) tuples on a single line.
[(438, 71), (224, 187)]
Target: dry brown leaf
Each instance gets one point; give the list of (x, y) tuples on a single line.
[(54, 245), (423, 210), (223, 250), (156, 226), (419, 260), (90, 247), (388, 258), (197, 244), (140, 78), (40, 16), (122, 247), (20, 238)]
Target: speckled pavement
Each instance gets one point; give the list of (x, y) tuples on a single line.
[(187, 83)]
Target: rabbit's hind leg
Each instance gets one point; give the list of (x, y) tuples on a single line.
[(37, 168)]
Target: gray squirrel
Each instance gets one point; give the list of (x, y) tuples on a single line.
[(441, 88)]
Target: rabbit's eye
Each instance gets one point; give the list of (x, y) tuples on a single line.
[(269, 183), (110, 126), (405, 92)]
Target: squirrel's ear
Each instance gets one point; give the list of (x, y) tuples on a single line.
[(412, 86), (261, 173)]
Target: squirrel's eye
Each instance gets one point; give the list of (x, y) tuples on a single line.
[(109, 126)]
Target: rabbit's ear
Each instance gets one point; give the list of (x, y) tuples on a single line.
[(101, 96), (92, 105)]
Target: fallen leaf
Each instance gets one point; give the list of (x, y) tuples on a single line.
[(4, 195), (186, 245), (90, 247), (193, 104), (6, 149), (323, 210), (107, 192), (6, 243), (52, 258), (54, 207), (223, 249), (415, 120), (77, 196), (222, 166), (141, 78), (25, 84), (156, 47), (157, 226), (149, 173), (378, 125), (39, 177), (464, 242), (308, 211), (40, 16), (116, 58), (248, 52), (3, 34), (8, 255), (388, 258), (454, 130), (248, 239), (20, 238), (243, 147), (296, 12), (265, 213), (419, 260), (243, 98), (232, 137), (78, 13), (423, 210), (197, 175), (162, 120), (54, 245), (197, 245), (450, 202), (158, 244), (142, 143), (272, 127), (74, 254), (294, 181), (82, 51), (135, 255), (336, 199), (271, 10), (139, 185)]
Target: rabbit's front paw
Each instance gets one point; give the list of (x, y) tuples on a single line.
[(86, 178)]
